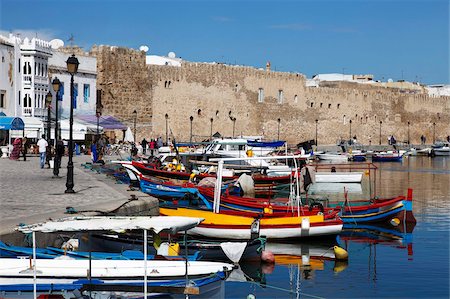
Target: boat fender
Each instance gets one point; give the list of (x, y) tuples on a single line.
[(395, 221), (268, 210), (305, 223), (268, 256), (340, 253)]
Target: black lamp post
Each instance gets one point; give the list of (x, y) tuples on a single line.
[(234, 124), (278, 134), (210, 135), (191, 118), (408, 132), (434, 133), (135, 118), (167, 126), (380, 131), (72, 68), (350, 122), (48, 102), (55, 84), (317, 121)]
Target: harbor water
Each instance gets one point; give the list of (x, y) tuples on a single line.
[(383, 263)]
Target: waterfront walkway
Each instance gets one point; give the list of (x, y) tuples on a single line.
[(29, 194)]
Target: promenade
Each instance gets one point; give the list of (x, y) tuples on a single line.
[(29, 194)]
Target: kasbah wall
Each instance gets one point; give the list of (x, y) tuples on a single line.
[(215, 94)]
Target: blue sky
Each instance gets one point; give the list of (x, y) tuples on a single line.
[(398, 39)]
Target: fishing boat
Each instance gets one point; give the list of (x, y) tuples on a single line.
[(207, 250), (242, 226), (441, 149), (389, 156), (332, 157), (13, 271)]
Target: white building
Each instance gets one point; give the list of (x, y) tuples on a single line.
[(438, 90), (85, 81)]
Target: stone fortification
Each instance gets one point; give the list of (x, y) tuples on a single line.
[(125, 86), (227, 99)]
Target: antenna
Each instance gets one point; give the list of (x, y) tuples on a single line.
[(71, 39)]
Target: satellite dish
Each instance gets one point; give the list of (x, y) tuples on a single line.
[(143, 48), (56, 43), (390, 80), (171, 55)]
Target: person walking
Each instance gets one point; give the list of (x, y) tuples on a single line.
[(144, 146), (159, 142), (59, 153), (152, 146), (42, 144)]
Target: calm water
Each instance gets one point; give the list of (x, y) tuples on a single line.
[(381, 263)]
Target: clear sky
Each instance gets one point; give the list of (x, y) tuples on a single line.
[(398, 39)]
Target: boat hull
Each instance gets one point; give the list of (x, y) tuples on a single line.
[(217, 225)]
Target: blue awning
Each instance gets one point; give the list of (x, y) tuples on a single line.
[(11, 123)]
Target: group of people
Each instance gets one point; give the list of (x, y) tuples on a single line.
[(21, 146), (152, 145)]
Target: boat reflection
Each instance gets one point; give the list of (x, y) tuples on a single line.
[(399, 237), (306, 256)]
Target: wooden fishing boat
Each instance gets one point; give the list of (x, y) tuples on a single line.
[(388, 156), (207, 250), (57, 269), (235, 225)]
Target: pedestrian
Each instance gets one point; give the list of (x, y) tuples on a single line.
[(42, 144), (60, 150), (24, 148), (17, 148), (144, 146), (152, 146), (159, 142)]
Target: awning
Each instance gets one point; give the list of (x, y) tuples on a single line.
[(79, 129), (171, 224), (11, 123), (107, 122), (34, 127)]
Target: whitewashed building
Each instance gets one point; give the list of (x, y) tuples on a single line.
[(10, 76), (85, 81)]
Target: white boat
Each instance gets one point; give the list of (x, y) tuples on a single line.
[(335, 157), (419, 152), (111, 269), (35, 269), (338, 177), (441, 150), (320, 188)]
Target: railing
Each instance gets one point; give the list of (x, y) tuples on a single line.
[(27, 111)]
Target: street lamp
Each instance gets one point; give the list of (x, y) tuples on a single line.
[(167, 132), (55, 84), (317, 121), (279, 121), (350, 138), (48, 102), (210, 135), (72, 68), (135, 118), (408, 131), (434, 133), (234, 124), (380, 131), (191, 118)]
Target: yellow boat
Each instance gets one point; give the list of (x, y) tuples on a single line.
[(236, 225)]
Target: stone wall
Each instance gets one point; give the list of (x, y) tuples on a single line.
[(223, 98), (122, 77)]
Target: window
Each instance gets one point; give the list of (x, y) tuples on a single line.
[(329, 106), (86, 93), (75, 95), (295, 99), (338, 105), (2, 98), (321, 104), (280, 96), (260, 95)]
